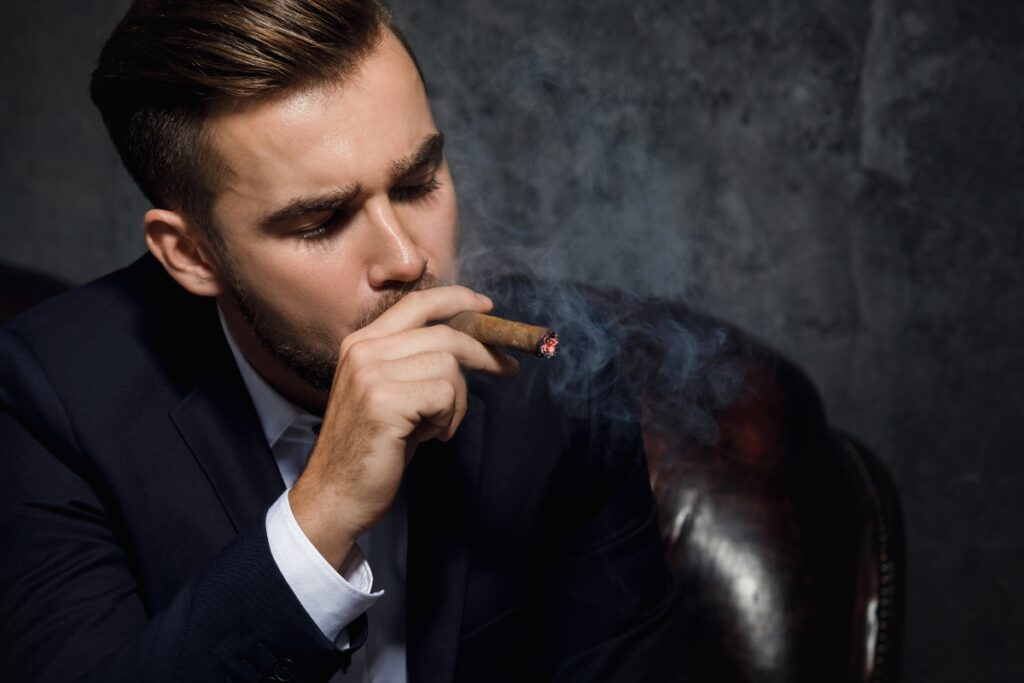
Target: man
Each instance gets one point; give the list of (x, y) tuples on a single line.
[(202, 447)]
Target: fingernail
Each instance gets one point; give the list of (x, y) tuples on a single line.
[(485, 299)]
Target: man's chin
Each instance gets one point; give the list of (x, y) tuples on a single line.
[(317, 372), (313, 367)]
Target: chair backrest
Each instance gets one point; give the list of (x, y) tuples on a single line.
[(785, 536), (21, 288)]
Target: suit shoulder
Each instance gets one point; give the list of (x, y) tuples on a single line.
[(110, 299), (118, 336)]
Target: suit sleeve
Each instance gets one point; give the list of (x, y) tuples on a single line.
[(70, 609)]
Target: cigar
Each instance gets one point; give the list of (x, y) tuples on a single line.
[(508, 334)]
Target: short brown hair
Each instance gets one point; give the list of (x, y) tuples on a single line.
[(169, 61)]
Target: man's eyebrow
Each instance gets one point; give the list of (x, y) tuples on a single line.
[(426, 155), (300, 206)]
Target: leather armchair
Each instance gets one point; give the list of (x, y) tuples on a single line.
[(784, 534)]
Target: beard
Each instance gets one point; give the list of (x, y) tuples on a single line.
[(311, 356)]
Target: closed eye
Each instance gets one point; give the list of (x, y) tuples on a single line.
[(404, 193), (323, 228), (401, 193)]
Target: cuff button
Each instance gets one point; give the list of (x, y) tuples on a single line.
[(284, 670)]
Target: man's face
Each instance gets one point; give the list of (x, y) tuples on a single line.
[(335, 201)]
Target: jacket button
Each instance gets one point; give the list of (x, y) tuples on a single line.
[(284, 670)]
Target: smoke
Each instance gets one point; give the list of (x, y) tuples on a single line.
[(560, 183), (682, 365)]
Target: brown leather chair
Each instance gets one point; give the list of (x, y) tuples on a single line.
[(784, 534), (21, 288)]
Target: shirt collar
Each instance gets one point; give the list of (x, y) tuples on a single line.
[(276, 413)]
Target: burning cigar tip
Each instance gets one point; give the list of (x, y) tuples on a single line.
[(548, 345), (508, 334)]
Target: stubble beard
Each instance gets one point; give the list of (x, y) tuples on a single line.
[(313, 362)]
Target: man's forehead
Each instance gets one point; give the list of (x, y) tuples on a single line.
[(282, 131), (324, 136)]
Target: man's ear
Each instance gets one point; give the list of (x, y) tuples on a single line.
[(185, 253)]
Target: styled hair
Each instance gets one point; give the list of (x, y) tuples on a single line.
[(168, 62)]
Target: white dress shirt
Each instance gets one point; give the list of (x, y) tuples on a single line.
[(332, 599)]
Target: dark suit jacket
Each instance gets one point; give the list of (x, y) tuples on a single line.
[(136, 479)]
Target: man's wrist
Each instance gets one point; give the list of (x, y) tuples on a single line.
[(330, 539)]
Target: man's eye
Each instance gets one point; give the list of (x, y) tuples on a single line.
[(406, 192), (323, 228)]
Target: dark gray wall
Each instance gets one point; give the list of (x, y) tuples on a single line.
[(843, 179)]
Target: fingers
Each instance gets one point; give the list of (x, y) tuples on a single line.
[(443, 407), (406, 374), (425, 408), (430, 384), (420, 308), (463, 349)]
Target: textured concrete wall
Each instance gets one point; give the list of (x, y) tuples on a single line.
[(843, 179)]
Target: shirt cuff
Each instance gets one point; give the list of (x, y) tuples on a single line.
[(333, 600)]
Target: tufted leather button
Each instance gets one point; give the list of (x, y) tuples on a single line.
[(284, 670)]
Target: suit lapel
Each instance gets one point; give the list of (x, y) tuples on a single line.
[(220, 425), (444, 487)]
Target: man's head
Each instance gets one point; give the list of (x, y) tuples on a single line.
[(289, 148)]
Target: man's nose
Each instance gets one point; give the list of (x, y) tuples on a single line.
[(396, 258)]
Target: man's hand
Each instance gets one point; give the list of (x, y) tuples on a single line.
[(399, 382)]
